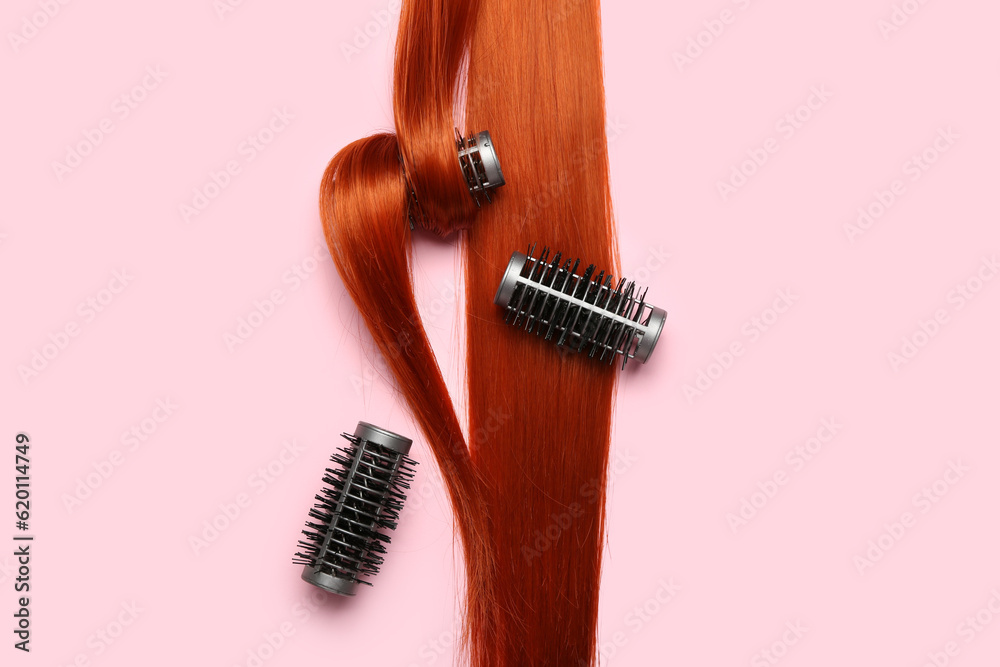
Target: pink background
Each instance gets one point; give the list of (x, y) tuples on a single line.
[(686, 462)]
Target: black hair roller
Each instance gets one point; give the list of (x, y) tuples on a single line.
[(588, 312), (347, 529), (477, 156)]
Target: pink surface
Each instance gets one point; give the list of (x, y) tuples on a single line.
[(806, 472)]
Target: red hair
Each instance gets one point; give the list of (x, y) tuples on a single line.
[(546, 466), (527, 493)]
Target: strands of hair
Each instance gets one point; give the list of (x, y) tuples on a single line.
[(535, 80), (363, 205), (547, 464), (430, 49)]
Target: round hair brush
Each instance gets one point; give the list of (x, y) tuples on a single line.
[(579, 312), (362, 499)]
